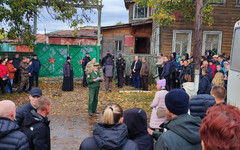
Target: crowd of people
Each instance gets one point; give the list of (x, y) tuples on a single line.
[(171, 125), (18, 74)]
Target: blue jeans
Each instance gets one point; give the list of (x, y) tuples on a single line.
[(7, 87), (136, 80)]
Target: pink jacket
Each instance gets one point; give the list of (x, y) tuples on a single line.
[(158, 101)]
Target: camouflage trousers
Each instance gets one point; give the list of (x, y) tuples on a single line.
[(24, 82)]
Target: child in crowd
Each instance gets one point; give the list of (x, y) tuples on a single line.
[(188, 86), (213, 66), (158, 105)]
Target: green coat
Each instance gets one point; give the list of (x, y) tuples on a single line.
[(90, 77)]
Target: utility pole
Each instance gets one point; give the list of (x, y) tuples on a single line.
[(35, 27), (99, 25), (197, 49)]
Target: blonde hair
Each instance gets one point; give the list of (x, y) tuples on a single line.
[(218, 79), (42, 102), (112, 113)]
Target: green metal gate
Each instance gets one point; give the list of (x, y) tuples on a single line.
[(52, 58)]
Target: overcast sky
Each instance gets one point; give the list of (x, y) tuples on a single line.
[(114, 11)]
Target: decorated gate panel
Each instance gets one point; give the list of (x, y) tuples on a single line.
[(77, 53), (52, 58)]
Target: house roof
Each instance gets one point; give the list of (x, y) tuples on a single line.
[(148, 21), (83, 33), (127, 3), (41, 38)]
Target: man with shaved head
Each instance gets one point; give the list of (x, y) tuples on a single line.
[(10, 136)]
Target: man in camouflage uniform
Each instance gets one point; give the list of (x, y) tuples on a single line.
[(24, 75), (93, 80)]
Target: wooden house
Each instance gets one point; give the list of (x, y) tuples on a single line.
[(144, 36)]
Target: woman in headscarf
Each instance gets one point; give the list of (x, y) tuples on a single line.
[(67, 75)]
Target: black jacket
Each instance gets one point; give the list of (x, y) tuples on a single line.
[(85, 61), (37, 129), (182, 133), (138, 67), (120, 64), (105, 58), (185, 71), (36, 65), (136, 121), (109, 137), (199, 105), (10, 136), (21, 113), (205, 85), (16, 62), (166, 69)]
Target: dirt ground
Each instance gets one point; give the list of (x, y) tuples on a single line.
[(70, 123)]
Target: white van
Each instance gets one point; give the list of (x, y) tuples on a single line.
[(233, 88)]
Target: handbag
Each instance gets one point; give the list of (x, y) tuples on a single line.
[(161, 112), (6, 77)]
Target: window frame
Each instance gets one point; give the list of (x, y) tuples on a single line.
[(117, 45), (237, 3), (205, 33), (134, 7), (219, 4), (189, 32)]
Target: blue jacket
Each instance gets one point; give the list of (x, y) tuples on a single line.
[(36, 128), (166, 69), (182, 133), (21, 113), (10, 136), (205, 85), (36, 65), (109, 137), (199, 105)]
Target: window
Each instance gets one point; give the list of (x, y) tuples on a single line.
[(140, 13), (218, 2), (212, 40), (235, 61), (182, 41), (238, 2), (118, 45)]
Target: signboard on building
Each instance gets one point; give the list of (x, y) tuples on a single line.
[(128, 41)]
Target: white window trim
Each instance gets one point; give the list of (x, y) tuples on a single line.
[(237, 4), (189, 32), (219, 43), (219, 4), (139, 18)]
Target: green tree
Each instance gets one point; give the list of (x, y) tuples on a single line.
[(17, 15), (164, 10)]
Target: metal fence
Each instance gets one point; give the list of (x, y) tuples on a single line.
[(152, 59)]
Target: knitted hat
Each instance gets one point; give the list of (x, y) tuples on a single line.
[(68, 57), (162, 83), (177, 101)]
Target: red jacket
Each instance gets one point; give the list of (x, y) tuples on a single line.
[(3, 70), (213, 69)]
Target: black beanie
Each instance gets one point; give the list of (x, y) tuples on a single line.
[(177, 101)]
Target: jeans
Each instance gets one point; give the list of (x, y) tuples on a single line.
[(136, 80), (7, 87)]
